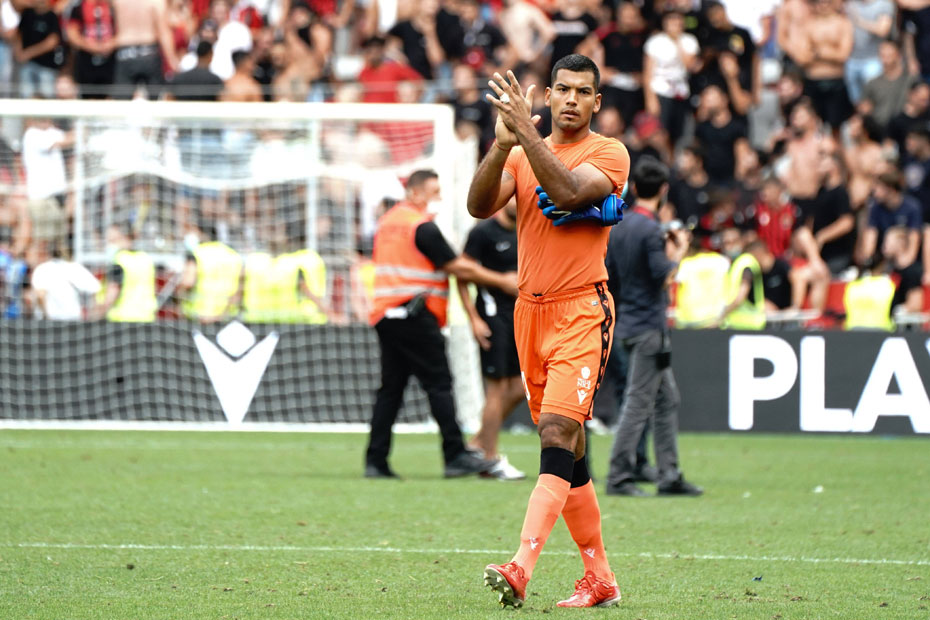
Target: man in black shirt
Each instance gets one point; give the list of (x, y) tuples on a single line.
[(640, 265), (411, 289), (689, 191), (720, 134), (37, 46), (493, 243), (832, 221), (572, 25), (483, 41), (199, 83), (730, 59), (622, 76), (429, 38), (916, 111)]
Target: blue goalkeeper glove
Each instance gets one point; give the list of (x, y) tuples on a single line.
[(607, 212)]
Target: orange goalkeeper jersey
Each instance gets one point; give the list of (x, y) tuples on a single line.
[(552, 259)]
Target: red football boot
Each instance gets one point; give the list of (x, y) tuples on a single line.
[(593, 592), (509, 581)]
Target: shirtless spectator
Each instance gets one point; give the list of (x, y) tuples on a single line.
[(805, 147), (528, 30), (864, 159), (885, 96), (242, 86), (791, 34), (826, 44), (142, 37)]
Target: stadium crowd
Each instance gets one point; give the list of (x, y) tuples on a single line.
[(796, 130)]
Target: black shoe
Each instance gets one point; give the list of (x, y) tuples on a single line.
[(466, 463), (374, 471), (626, 488), (646, 473), (679, 486)]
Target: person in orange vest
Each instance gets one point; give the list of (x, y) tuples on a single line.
[(413, 262)]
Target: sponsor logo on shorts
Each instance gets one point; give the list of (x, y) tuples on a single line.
[(582, 394)]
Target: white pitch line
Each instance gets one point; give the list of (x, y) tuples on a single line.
[(490, 552)]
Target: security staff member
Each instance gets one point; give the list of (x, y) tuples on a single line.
[(412, 264), (211, 281), (746, 289), (868, 300), (129, 291), (640, 265)]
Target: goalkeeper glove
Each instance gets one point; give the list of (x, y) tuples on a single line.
[(607, 212)]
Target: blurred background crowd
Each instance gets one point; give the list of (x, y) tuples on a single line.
[(796, 130)]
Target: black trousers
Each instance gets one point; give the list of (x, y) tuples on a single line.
[(413, 346)]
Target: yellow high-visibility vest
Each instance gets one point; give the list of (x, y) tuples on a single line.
[(748, 315), (868, 303), (702, 289), (137, 302), (218, 271), (311, 266)]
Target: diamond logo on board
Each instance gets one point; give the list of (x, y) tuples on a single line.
[(236, 366)]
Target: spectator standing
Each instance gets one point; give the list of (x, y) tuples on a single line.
[(528, 30), (91, 29), (826, 47), (775, 217), (199, 83), (730, 60), (806, 144), (242, 86), (791, 35), (888, 208), (46, 182), (885, 96), (429, 38), (231, 36), (756, 17), (641, 263), (915, 16), (142, 37), (58, 284), (872, 21), (915, 112), (38, 47), (380, 76), (669, 56), (721, 135), (621, 56), (573, 27), (9, 22), (485, 44)]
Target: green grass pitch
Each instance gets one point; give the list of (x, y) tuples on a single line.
[(130, 525)]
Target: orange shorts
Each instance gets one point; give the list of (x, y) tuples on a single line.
[(563, 340)]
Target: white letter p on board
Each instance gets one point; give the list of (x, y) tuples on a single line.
[(745, 387)]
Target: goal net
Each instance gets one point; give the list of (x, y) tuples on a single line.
[(288, 192)]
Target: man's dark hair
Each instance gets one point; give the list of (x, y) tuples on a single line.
[(578, 64), (757, 244), (372, 41), (696, 150), (418, 178), (204, 49), (893, 179), (239, 57), (649, 175)]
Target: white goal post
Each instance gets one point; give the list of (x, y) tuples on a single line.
[(260, 177)]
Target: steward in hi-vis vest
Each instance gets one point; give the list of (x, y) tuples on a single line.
[(212, 282), (129, 288), (412, 263), (745, 290)]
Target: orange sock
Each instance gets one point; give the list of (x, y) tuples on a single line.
[(543, 511), (583, 517)]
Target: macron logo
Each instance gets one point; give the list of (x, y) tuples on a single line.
[(237, 369), (581, 396), (589, 553), (533, 544)]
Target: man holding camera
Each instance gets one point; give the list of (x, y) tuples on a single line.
[(641, 262)]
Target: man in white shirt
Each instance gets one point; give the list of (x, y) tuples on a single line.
[(232, 36), (756, 16), (669, 57), (46, 182), (58, 284)]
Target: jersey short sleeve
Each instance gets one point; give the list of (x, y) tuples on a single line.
[(611, 158), (433, 245)]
